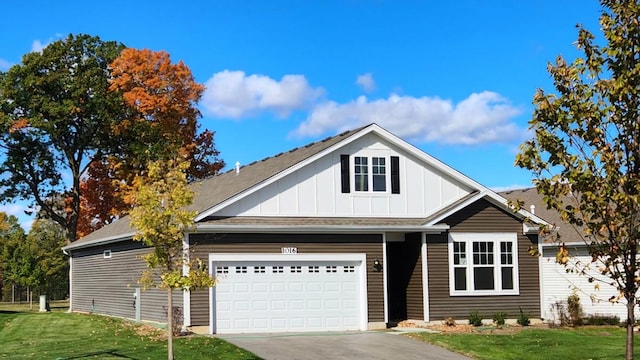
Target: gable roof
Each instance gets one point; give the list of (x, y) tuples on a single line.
[(530, 196), (219, 188), (217, 191)]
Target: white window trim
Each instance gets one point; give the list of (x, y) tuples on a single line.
[(496, 238), (106, 254), (387, 176)]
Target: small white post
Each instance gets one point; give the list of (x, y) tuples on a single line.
[(43, 303), (136, 301)]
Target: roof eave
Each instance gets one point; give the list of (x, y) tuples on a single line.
[(101, 241), (240, 228)]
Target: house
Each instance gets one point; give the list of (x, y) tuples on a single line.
[(353, 232), (559, 281)]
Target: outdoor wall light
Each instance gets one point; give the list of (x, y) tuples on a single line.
[(377, 265)]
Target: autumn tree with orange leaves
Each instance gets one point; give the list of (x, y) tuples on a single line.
[(163, 121), (81, 118)]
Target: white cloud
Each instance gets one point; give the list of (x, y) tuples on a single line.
[(366, 82), (4, 64), (18, 210), (233, 94), (510, 187), (480, 118), (37, 46)]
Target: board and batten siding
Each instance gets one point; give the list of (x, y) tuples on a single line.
[(482, 216), (106, 285), (202, 244), (315, 189)]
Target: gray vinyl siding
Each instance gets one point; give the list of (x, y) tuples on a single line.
[(106, 286), (371, 244), (482, 217)]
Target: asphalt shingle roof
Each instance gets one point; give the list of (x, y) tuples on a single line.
[(530, 196), (216, 189)]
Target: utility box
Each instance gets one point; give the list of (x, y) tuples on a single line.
[(43, 303)]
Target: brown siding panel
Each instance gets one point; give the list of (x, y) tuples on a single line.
[(106, 286), (482, 217), (202, 244), (415, 295)]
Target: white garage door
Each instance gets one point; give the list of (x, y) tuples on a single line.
[(279, 294)]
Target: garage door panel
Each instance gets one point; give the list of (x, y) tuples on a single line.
[(261, 296)]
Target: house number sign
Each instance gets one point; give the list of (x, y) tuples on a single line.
[(289, 250)]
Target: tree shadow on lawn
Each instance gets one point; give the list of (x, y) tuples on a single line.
[(112, 352)]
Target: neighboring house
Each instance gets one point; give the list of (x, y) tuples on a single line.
[(559, 282), (353, 232)]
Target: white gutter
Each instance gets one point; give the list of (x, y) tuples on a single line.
[(102, 241)]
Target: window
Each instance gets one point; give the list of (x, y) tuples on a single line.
[(331, 269), (222, 270), (106, 254), (361, 173), (483, 264), (278, 269), (374, 173), (378, 169)]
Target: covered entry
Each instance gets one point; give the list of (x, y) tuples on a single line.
[(293, 292)]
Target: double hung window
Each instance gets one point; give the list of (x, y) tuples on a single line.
[(483, 264)]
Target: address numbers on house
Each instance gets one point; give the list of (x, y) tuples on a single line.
[(289, 250)]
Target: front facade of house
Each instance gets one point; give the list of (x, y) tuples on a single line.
[(353, 232)]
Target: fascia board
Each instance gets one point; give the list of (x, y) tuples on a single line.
[(493, 198), (101, 241)]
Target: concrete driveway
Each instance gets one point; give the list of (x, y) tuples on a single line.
[(339, 346)]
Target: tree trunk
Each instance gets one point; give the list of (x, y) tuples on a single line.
[(170, 324), (631, 322)]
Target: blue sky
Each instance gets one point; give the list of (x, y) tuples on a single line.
[(454, 78)]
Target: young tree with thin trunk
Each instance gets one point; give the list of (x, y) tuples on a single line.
[(161, 218), (585, 153)]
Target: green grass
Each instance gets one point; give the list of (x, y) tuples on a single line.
[(593, 342), (61, 335)]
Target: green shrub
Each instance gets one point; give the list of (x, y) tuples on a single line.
[(523, 318), (499, 318), (603, 320), (574, 308), (475, 318)]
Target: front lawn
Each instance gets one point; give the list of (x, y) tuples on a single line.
[(589, 342), (59, 335)]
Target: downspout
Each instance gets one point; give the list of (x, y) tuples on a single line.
[(384, 278), (70, 279), (186, 294)]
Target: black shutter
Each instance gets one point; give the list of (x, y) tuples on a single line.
[(344, 172), (395, 175)]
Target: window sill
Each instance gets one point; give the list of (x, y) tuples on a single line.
[(485, 293)]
